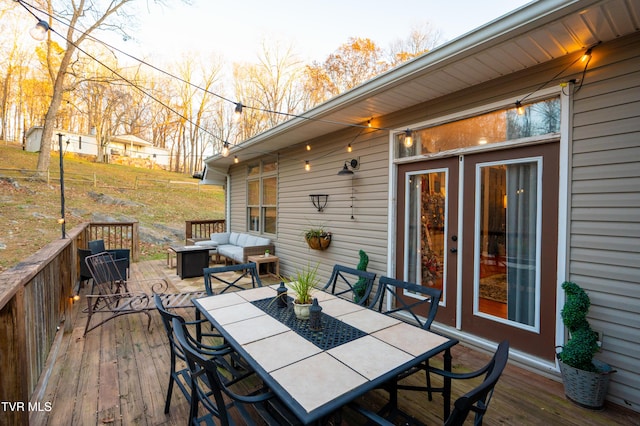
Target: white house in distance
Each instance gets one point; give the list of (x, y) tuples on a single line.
[(125, 145), (505, 125)]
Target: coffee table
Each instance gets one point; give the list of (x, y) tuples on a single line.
[(191, 260)]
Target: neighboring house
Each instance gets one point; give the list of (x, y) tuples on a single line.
[(126, 145), (71, 142), (494, 205)]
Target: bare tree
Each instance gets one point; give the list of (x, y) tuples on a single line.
[(421, 39), (89, 15)]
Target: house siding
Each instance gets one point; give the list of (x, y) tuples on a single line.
[(604, 252), (368, 229), (603, 223)]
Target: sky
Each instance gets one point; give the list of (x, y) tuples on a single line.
[(235, 30)]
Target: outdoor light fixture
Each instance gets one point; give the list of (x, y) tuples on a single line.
[(238, 111), (235, 159), (308, 147), (319, 201), (519, 108), (225, 149), (39, 32), (346, 170), (307, 166), (349, 149), (408, 138)]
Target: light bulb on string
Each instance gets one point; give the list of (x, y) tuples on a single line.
[(39, 32), (408, 138), (307, 166)]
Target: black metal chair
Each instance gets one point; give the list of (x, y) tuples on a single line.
[(85, 274), (181, 376), (219, 396), (475, 401), (220, 275), (350, 283), (426, 297)]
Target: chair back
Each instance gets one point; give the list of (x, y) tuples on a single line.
[(350, 283), (206, 387), (224, 278), (425, 297), (85, 274), (477, 400), (104, 270), (96, 246), (167, 318)]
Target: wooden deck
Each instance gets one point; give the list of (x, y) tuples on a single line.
[(118, 374)]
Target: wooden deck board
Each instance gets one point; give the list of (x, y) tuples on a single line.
[(118, 375)]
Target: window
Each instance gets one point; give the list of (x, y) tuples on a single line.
[(262, 196), (539, 118)]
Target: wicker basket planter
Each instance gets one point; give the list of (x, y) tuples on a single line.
[(321, 242), (585, 388)]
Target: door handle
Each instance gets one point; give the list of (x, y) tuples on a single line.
[(453, 250)]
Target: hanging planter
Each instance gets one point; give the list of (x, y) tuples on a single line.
[(317, 238)]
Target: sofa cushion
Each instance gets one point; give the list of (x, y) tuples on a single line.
[(242, 240), (232, 252), (250, 241), (262, 241), (233, 238), (220, 237)]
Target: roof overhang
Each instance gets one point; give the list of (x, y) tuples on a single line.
[(532, 34)]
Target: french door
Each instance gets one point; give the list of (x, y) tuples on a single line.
[(497, 270)]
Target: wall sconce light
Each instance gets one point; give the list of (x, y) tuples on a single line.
[(319, 201), (345, 169)]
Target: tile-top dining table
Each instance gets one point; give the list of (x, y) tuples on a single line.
[(314, 373)]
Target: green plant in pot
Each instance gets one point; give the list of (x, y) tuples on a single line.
[(303, 284), (585, 379), (317, 237)]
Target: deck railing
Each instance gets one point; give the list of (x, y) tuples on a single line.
[(202, 229), (116, 236), (36, 297)]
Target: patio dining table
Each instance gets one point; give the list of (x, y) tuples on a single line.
[(315, 373)]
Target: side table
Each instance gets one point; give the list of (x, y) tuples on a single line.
[(269, 260)]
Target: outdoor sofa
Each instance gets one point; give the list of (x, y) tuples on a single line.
[(237, 247)]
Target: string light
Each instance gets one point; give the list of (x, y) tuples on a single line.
[(237, 113), (235, 159), (308, 147), (349, 149), (408, 138), (225, 149), (519, 108), (307, 166), (39, 32)]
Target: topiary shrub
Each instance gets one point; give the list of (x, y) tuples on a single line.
[(582, 345), (361, 285)]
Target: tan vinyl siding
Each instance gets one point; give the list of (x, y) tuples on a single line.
[(368, 229), (604, 251)]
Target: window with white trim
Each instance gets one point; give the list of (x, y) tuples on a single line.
[(262, 196)]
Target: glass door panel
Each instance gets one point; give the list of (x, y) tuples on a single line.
[(426, 240), (507, 244)]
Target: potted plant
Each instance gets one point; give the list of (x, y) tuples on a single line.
[(585, 378), (303, 284), (266, 253), (317, 237)]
